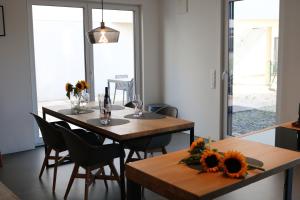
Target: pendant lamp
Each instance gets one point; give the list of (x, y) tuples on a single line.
[(103, 34)]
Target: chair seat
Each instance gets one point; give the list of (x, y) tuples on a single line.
[(144, 144)]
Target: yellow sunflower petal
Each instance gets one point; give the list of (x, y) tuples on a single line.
[(234, 164), (210, 161)]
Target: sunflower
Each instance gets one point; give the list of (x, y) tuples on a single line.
[(210, 161), (85, 84), (69, 87), (79, 86), (234, 164), (197, 146)]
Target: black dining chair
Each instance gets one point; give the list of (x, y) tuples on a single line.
[(153, 144), (89, 157), (54, 141)]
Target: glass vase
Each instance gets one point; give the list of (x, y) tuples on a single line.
[(75, 101)]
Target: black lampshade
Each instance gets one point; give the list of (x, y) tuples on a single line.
[(103, 34)]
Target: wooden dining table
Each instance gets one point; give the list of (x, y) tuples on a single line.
[(169, 178), (122, 133)]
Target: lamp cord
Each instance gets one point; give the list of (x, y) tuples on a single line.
[(102, 10)]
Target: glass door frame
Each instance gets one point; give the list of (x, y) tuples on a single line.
[(88, 51), (225, 69), (228, 40), (30, 3), (227, 25), (137, 44)]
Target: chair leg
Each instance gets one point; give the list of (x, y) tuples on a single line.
[(105, 181), (55, 170), (138, 155), (114, 95), (123, 96), (164, 151), (114, 171), (74, 173), (86, 188), (129, 157), (145, 155), (45, 162)]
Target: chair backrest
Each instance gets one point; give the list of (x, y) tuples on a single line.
[(120, 76), (79, 150), (51, 136), (129, 105), (168, 110)]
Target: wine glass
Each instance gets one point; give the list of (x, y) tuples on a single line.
[(138, 105)]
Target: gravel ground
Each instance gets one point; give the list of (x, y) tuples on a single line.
[(252, 120)]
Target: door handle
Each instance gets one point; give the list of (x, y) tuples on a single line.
[(224, 75)]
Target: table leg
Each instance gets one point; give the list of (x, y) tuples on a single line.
[(298, 140), (45, 146), (288, 184), (133, 190), (44, 115), (122, 171), (108, 85), (1, 161), (192, 136)]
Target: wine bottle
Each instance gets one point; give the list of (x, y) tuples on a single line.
[(107, 103)]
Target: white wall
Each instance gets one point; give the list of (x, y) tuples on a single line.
[(289, 60), (191, 49), (16, 92), (16, 103)]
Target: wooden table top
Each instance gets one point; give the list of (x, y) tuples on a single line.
[(136, 128), (290, 126), (165, 176)]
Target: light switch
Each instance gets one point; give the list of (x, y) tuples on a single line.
[(213, 78), (182, 6)]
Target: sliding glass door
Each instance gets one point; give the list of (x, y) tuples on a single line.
[(59, 57), (60, 51), (251, 73)]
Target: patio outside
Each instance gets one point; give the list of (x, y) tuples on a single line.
[(254, 66)]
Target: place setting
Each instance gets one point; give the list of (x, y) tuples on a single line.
[(105, 107)]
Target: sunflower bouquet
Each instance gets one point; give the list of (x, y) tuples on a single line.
[(77, 89), (232, 163)]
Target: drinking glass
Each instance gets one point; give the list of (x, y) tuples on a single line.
[(104, 113), (138, 106)]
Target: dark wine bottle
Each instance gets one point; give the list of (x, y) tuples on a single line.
[(107, 103)]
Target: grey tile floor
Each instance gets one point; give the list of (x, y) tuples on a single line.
[(20, 174)]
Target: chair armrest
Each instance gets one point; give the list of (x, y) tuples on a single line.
[(61, 123)]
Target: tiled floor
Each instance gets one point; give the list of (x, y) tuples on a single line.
[(20, 174)]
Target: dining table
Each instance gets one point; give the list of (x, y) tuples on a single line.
[(166, 176), (123, 128)]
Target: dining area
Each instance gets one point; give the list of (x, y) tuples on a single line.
[(149, 100), (127, 157), (105, 132), (125, 127)]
